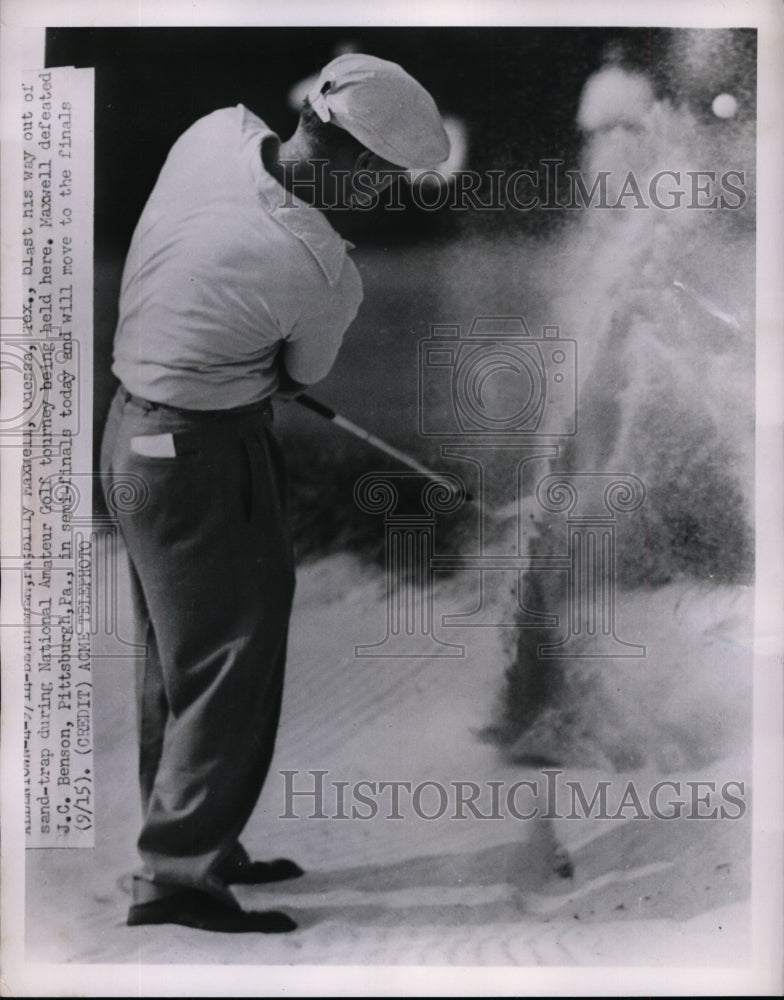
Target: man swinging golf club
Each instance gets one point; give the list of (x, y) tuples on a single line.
[(236, 287)]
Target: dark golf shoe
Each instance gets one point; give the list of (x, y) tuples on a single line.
[(238, 869), (191, 908), (260, 872)]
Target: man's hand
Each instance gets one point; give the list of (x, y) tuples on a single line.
[(287, 387)]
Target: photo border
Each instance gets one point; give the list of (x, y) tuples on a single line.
[(764, 974)]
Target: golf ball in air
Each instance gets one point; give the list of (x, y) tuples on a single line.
[(724, 106)]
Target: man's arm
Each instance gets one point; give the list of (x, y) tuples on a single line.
[(309, 350)]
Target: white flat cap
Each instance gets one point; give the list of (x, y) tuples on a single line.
[(383, 107)]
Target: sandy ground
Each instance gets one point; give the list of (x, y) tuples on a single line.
[(412, 891)]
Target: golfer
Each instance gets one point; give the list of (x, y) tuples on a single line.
[(236, 288)]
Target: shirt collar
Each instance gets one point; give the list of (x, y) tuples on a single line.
[(302, 220)]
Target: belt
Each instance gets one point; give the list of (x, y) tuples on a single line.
[(263, 406)]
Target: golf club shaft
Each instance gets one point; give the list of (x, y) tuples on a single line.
[(376, 442)]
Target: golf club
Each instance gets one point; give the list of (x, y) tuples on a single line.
[(376, 442)]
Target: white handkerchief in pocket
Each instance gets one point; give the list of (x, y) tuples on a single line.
[(154, 445)]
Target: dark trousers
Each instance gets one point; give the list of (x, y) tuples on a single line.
[(213, 581)]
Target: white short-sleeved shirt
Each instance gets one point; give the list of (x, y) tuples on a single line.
[(225, 271)]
